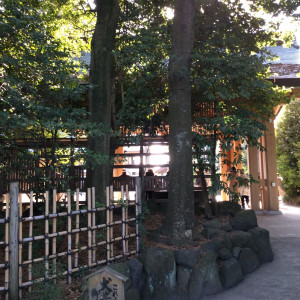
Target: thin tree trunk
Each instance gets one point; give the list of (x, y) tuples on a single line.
[(214, 179), (208, 213), (100, 91), (113, 104), (180, 213)]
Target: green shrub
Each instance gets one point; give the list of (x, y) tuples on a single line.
[(288, 150), (47, 289)]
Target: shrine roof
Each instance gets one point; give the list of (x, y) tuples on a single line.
[(287, 64), (284, 69)]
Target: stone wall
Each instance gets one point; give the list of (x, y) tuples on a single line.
[(226, 254)]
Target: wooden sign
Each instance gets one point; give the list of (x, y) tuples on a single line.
[(106, 284)]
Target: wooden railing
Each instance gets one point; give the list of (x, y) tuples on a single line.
[(124, 181), (76, 179), (152, 183), (156, 183), (42, 178)]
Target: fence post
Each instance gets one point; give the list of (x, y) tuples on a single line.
[(138, 209), (14, 242), (138, 183), (123, 222), (108, 245)]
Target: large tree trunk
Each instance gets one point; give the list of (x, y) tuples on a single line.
[(100, 91), (181, 203)]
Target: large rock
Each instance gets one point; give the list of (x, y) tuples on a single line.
[(242, 239), (244, 220), (178, 293), (224, 254), (160, 269), (262, 243), (136, 273), (236, 252), (226, 227), (248, 214), (219, 237), (231, 273), (240, 223), (228, 208), (222, 240), (248, 260), (208, 233), (183, 276), (188, 257), (122, 268), (132, 294), (215, 224), (205, 278), (209, 246)]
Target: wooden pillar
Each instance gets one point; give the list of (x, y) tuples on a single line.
[(253, 170), (236, 152), (270, 168), (262, 173), (141, 168), (118, 171), (231, 155), (224, 170)]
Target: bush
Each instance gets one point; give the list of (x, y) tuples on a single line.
[(47, 289), (288, 151)]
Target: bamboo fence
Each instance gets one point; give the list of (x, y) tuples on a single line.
[(67, 235)]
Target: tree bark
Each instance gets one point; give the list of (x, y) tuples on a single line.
[(100, 90), (180, 213)]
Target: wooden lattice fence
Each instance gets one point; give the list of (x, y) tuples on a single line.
[(69, 235)]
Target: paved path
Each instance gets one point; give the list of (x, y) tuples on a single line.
[(280, 279)]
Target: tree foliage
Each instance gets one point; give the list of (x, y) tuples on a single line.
[(288, 150), (41, 95), (70, 22), (231, 96), (228, 76), (228, 72), (288, 7), (141, 65)]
